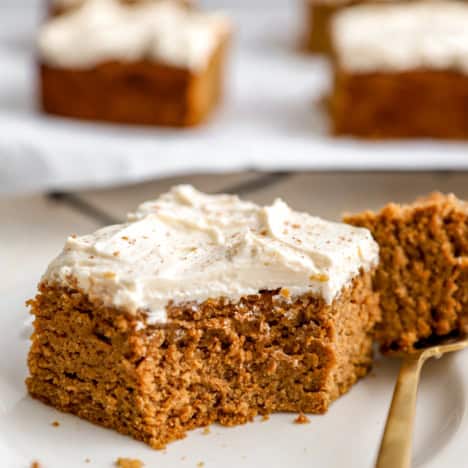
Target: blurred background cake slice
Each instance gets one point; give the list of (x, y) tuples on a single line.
[(319, 15), (58, 7), (153, 62), (401, 70), (318, 18)]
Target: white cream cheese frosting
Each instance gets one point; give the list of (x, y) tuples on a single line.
[(402, 36), (187, 246), (106, 30)]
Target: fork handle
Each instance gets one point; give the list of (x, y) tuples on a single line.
[(395, 448)]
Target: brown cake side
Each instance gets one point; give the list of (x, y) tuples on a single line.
[(414, 103), (318, 22), (216, 362), (318, 17), (143, 92), (422, 278), (56, 8)]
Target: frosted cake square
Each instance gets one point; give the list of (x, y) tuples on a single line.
[(201, 309), (146, 62)]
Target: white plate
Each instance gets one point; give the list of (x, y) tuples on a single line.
[(347, 436), (271, 119)]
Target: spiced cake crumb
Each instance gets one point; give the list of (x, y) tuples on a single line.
[(200, 464), (56, 424), (129, 463), (206, 431), (301, 419), (35, 464)]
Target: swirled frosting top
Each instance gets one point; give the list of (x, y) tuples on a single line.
[(188, 246), (429, 34), (108, 30)]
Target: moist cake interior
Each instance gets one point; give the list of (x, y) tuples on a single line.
[(215, 363)]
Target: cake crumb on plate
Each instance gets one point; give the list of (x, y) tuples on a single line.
[(301, 419), (129, 463)]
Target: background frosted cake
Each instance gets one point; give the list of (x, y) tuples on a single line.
[(200, 309), (401, 70), (153, 63)]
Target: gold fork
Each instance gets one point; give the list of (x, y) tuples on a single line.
[(395, 447)]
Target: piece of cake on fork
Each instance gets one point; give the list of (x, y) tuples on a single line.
[(422, 278), (147, 62), (401, 70), (201, 309)]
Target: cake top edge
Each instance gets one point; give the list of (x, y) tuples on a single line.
[(163, 31), (434, 200), (402, 36), (187, 247)]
